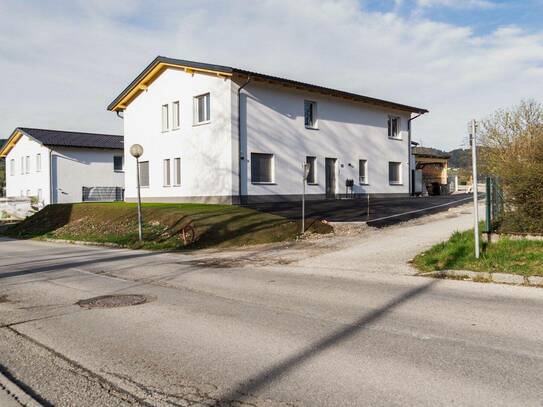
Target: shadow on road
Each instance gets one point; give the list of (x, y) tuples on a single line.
[(255, 383)]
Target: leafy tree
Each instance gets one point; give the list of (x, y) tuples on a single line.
[(513, 153)]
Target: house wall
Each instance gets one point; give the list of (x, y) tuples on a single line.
[(22, 184), (347, 130), (205, 150), (75, 168)]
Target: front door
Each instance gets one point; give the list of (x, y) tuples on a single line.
[(330, 164)]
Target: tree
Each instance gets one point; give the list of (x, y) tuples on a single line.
[(513, 153)]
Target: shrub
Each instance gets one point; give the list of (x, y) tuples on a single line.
[(513, 153)]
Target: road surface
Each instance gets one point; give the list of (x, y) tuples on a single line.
[(343, 323)]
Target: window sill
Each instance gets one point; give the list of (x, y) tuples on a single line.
[(120, 171), (364, 184), (263, 183), (396, 138), (165, 131), (177, 185), (166, 186), (201, 123), (396, 184), (311, 128), (313, 183)]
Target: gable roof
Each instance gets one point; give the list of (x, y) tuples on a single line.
[(60, 138), (430, 152), (160, 64)]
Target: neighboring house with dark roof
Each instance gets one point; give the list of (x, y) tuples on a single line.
[(214, 133), (56, 166)]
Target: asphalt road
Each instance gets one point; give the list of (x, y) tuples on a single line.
[(307, 333), (378, 212)]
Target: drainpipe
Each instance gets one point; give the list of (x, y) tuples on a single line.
[(240, 152), (50, 177), (409, 152)]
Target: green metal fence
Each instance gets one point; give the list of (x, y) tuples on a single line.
[(494, 204)]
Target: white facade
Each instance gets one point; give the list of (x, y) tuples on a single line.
[(272, 122), (62, 174)]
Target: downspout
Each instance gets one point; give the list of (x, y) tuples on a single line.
[(411, 181), (51, 177), (240, 152)]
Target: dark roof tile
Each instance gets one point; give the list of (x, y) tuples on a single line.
[(59, 138)]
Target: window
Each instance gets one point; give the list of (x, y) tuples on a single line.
[(395, 173), (175, 115), (363, 172), (310, 114), (202, 109), (40, 195), (262, 168), (28, 193), (12, 166), (38, 162), (312, 175), (144, 173), (165, 118), (28, 164), (117, 163), (177, 171), (167, 181), (394, 127), (22, 168)]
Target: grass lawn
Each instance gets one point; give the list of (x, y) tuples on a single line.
[(214, 225), (523, 257)]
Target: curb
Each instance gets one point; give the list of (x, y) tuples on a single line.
[(19, 397), (485, 277)]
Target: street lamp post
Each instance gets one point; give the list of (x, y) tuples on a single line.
[(305, 167), (136, 150)]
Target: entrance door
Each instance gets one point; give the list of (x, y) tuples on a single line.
[(330, 165)]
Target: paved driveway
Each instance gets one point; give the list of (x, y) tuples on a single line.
[(263, 328), (382, 211)]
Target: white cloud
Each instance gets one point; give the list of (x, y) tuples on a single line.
[(65, 64), (458, 4)]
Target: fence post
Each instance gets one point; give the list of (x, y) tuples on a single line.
[(488, 206)]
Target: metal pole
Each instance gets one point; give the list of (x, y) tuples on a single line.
[(303, 203), (140, 221), (488, 206), (475, 197)]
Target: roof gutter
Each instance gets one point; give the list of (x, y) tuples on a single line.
[(240, 149), (411, 180)]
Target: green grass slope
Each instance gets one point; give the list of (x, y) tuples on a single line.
[(214, 225)]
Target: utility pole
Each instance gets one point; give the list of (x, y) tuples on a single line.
[(305, 167), (473, 142)]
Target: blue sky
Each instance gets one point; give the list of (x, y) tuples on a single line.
[(461, 59)]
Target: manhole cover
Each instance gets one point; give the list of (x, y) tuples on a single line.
[(113, 301)]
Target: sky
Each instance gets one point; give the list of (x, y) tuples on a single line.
[(62, 62)]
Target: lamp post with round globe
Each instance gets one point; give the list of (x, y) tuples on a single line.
[(136, 150)]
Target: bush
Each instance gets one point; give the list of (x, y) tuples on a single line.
[(513, 153)]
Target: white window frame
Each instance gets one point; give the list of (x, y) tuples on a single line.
[(398, 127), (315, 124), (177, 171), (22, 167), (272, 170), (315, 179), (12, 166), (167, 172), (363, 163), (27, 164), (38, 162), (165, 117), (400, 173), (176, 121), (207, 109)]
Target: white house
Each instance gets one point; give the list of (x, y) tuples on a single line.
[(63, 167), (185, 115)]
